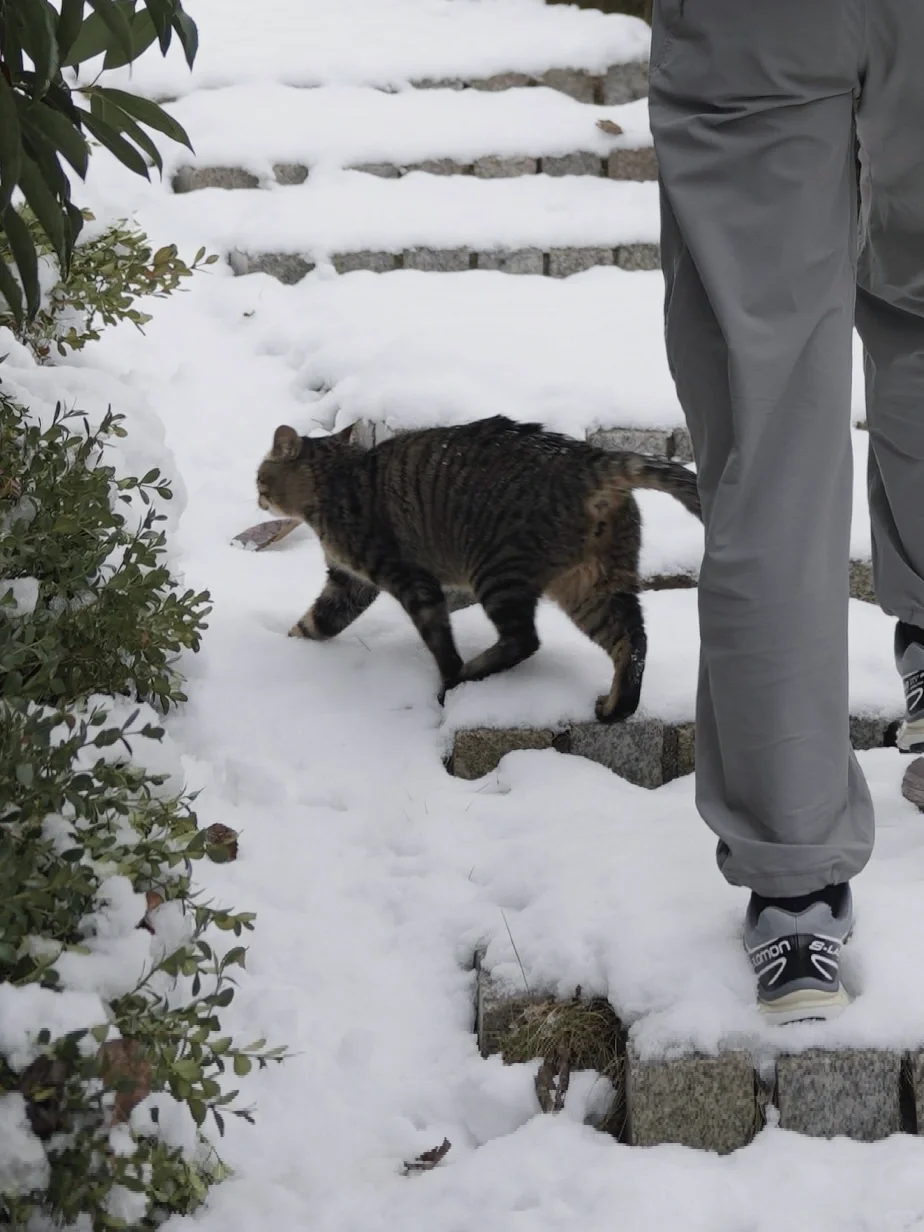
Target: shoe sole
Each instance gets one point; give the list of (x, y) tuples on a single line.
[(805, 1005)]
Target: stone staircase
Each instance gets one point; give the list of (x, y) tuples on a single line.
[(710, 1102), (705, 1102)]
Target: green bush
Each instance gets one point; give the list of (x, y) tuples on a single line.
[(107, 274), (91, 626)]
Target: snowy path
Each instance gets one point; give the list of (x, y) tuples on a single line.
[(375, 877), (374, 874)]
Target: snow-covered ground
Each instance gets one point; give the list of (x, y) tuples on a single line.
[(256, 125), (384, 43), (375, 875)]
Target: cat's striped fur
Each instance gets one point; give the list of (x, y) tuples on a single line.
[(505, 510)]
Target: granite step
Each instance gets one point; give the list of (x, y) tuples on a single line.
[(704, 1102), (647, 752), (291, 267), (637, 163)]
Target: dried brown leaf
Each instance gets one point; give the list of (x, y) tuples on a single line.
[(429, 1159), (610, 127)]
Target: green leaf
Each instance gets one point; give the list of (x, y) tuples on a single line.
[(10, 144), (114, 16), (9, 289), (109, 113), (23, 251), (69, 23), (242, 1065), (198, 1110), (115, 143), (147, 112), (45, 207), (143, 35), (37, 21), (161, 14), (95, 36), (189, 35), (63, 135)]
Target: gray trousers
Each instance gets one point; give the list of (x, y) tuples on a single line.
[(755, 107)]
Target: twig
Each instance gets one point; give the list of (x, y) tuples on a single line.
[(516, 951)]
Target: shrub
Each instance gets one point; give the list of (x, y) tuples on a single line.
[(97, 842), (108, 273)]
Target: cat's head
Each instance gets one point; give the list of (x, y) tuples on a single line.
[(286, 476)]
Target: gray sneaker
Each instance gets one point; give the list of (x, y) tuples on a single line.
[(909, 659), (795, 952)]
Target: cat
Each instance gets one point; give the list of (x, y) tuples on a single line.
[(505, 510)]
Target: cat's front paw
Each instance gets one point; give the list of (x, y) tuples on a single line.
[(303, 628)]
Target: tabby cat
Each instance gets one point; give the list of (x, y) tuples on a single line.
[(504, 510)]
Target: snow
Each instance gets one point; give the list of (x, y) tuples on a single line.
[(351, 211), (385, 43), (376, 876), (19, 595), (23, 1166), (257, 125)]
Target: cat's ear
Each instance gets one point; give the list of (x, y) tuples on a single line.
[(287, 444)]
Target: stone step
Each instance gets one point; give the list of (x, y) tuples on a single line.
[(647, 752), (711, 1103), (620, 83), (291, 267), (629, 163)]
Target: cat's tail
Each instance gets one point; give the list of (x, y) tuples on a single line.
[(639, 471)]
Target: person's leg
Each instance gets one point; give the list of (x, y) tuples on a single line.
[(752, 114), (890, 320)]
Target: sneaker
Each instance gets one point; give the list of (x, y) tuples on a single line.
[(795, 951), (909, 659)]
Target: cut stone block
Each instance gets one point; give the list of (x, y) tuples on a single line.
[(478, 750), (861, 581), (707, 1103), (440, 83), (915, 1071), (679, 751), (384, 171), (624, 83), (458, 600), (437, 260), (191, 179), (670, 581), (287, 267), (850, 1093), (680, 447), (376, 262), (439, 166), (579, 163), (867, 732), (519, 261), (639, 164), (639, 257), (502, 81), (290, 173), (634, 750), (566, 261), (634, 440), (494, 167), (573, 82)]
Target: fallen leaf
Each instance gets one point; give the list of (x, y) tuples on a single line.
[(124, 1067), (264, 534), (429, 1159), (610, 127), (222, 843)]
